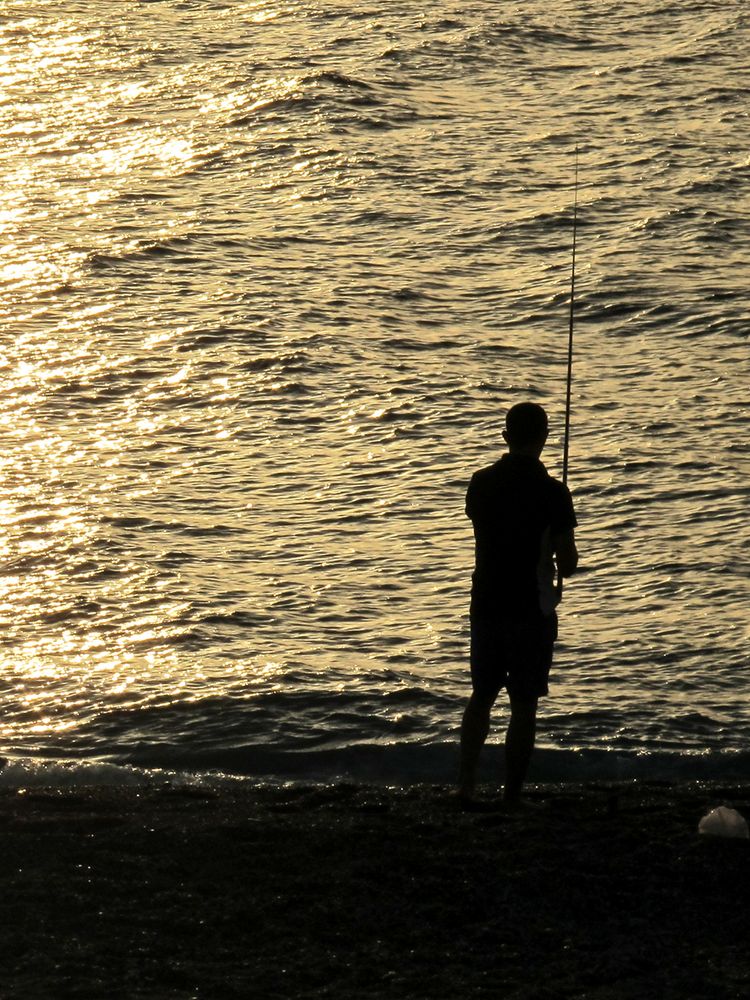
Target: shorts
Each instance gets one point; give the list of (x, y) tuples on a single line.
[(512, 653)]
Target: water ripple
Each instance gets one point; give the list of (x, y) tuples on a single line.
[(272, 276)]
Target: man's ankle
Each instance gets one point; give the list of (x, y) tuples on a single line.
[(466, 789)]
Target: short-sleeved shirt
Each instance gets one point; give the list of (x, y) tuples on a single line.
[(516, 508)]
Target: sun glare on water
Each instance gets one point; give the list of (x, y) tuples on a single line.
[(270, 275)]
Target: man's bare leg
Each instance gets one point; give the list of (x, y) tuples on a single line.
[(519, 743), (475, 727)]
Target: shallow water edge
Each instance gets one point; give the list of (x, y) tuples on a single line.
[(383, 766)]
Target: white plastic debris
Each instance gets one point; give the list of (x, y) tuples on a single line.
[(724, 822)]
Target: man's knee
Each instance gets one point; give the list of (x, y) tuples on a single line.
[(523, 708), (480, 703)]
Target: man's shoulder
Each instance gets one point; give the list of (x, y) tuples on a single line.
[(485, 474), (481, 489), (557, 487), (486, 480)]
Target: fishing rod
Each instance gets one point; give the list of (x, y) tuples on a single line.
[(566, 436)]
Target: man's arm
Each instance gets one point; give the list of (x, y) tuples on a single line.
[(566, 553)]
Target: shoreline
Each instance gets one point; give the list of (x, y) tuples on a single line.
[(604, 890), (391, 765)]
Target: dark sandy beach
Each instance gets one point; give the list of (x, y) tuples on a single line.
[(603, 891)]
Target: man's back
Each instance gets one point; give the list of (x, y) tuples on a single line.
[(517, 509)]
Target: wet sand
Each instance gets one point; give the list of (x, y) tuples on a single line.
[(603, 891)]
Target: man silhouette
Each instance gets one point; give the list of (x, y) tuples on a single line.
[(523, 523)]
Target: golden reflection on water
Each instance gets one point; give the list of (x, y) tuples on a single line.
[(130, 366)]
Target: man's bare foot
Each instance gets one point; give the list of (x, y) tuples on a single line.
[(469, 803), (523, 805)]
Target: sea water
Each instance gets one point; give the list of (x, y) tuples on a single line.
[(272, 272)]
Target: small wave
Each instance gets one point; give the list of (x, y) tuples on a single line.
[(36, 773), (543, 223), (295, 362), (332, 76), (238, 619), (99, 259), (142, 523), (725, 95), (29, 772), (392, 764), (279, 106)]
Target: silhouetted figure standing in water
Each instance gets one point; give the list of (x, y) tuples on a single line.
[(523, 522)]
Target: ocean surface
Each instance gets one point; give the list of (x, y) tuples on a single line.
[(272, 272)]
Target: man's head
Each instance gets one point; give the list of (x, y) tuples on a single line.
[(526, 429)]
